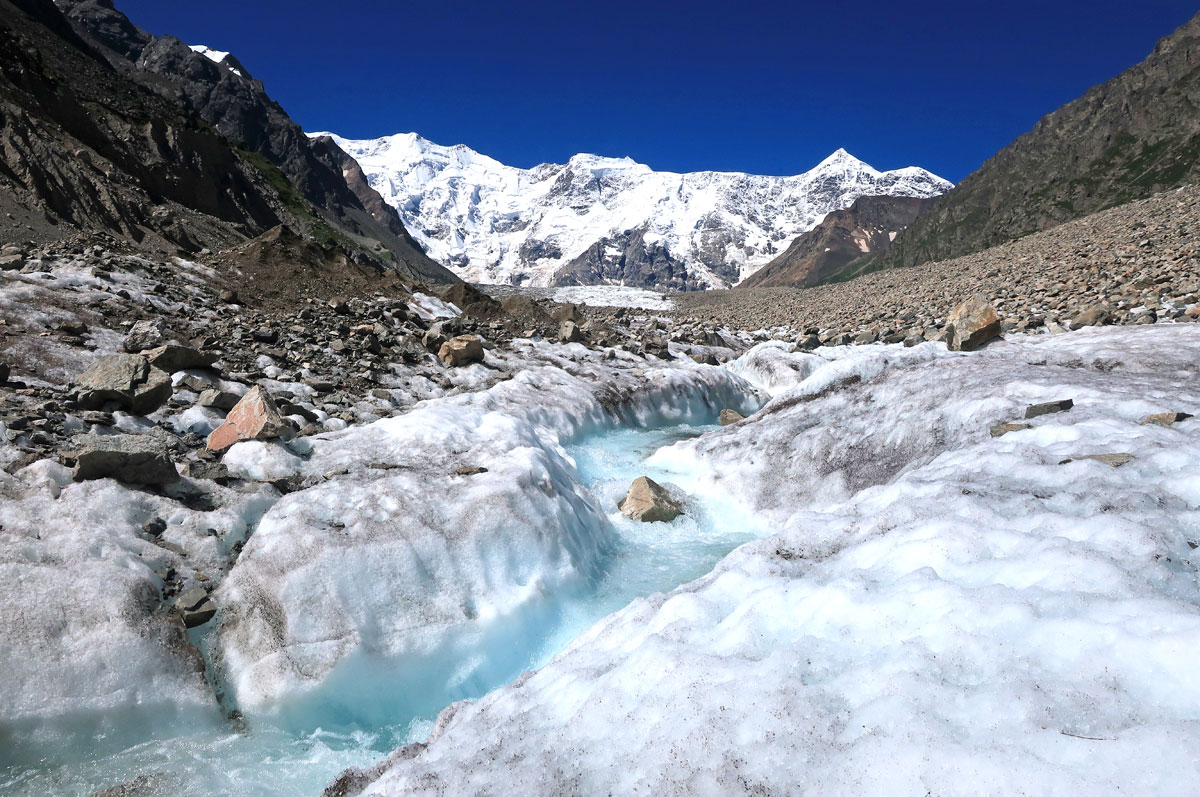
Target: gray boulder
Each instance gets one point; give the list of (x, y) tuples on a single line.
[(146, 334), (127, 379), (131, 458), (729, 416), (172, 357)]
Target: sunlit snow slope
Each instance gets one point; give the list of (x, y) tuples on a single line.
[(597, 220)]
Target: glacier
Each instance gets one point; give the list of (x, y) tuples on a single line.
[(869, 593), (940, 611), (601, 220)]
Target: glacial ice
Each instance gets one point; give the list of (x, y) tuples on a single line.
[(940, 611), (914, 607)]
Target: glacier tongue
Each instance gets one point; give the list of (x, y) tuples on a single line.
[(598, 220), (941, 611)]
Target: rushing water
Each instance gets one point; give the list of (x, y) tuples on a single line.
[(649, 558)]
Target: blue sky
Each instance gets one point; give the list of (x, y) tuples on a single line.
[(752, 86)]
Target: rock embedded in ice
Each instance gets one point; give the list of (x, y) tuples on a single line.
[(1166, 418), (1115, 460), (254, 417), (462, 350), (130, 458), (1048, 408), (972, 324), (729, 416), (649, 502), (195, 607), (1001, 429), (127, 379)]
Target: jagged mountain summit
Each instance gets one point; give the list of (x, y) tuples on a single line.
[(599, 220)]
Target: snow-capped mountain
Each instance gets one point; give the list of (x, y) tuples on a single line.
[(598, 220)]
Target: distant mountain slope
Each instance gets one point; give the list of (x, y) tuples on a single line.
[(1135, 135), (608, 220), (92, 140), (868, 226)]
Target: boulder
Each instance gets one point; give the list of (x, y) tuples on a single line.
[(1048, 407), (195, 607), (462, 350), (127, 379), (1094, 315), (146, 334), (649, 502), (131, 458), (171, 358), (218, 399), (972, 324), (568, 312), (569, 332), (729, 416), (254, 417)]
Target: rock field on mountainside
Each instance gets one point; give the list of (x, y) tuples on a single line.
[(1135, 264)]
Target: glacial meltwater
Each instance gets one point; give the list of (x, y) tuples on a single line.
[(303, 756)]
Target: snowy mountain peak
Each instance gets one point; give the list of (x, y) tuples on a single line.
[(606, 220), (842, 161), (219, 57)]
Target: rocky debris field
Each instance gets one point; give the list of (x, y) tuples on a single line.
[(1134, 264)]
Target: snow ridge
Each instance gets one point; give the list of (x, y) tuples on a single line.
[(493, 223)]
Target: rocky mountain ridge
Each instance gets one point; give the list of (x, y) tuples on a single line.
[(598, 220), (93, 141), (868, 226)]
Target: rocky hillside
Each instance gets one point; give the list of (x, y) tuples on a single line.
[(597, 220), (866, 227), (104, 128), (1134, 264), (1126, 139)]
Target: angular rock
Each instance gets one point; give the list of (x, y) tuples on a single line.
[(729, 416), (172, 357), (218, 399), (254, 417), (195, 607), (1095, 315), (569, 332), (1048, 407), (130, 458), (972, 324), (1001, 429), (1115, 460), (1166, 418), (146, 334), (462, 350), (127, 379), (649, 502)]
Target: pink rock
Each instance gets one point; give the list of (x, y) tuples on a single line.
[(254, 417)]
